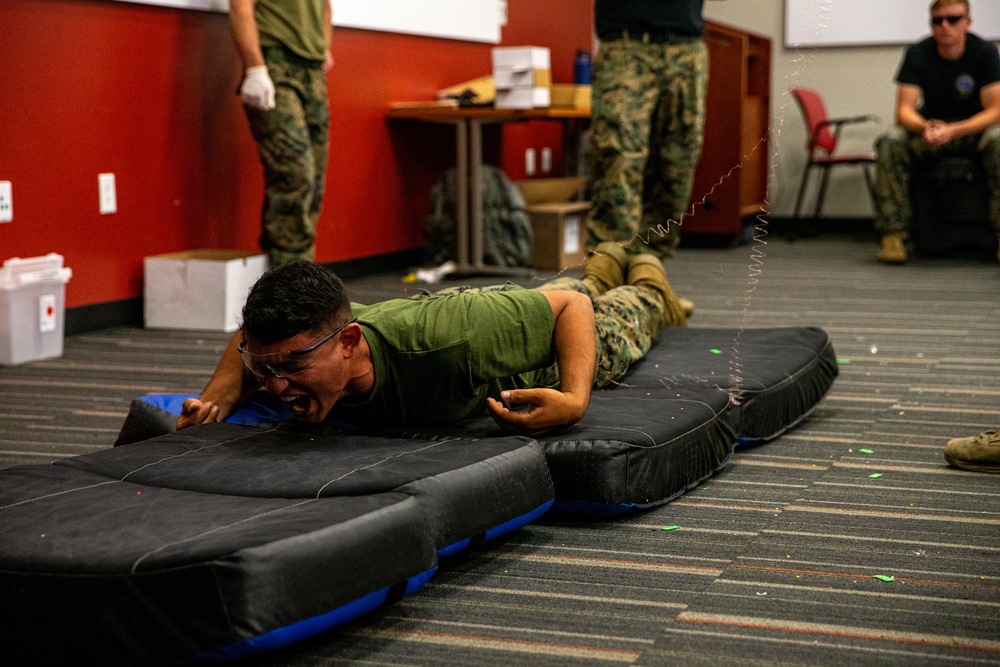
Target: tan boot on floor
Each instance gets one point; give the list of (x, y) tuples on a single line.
[(891, 249), (980, 453), (605, 267), (647, 270)]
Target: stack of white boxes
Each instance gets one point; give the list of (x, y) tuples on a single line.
[(522, 76)]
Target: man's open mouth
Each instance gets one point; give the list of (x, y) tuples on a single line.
[(298, 404)]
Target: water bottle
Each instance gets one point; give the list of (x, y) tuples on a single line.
[(581, 68)]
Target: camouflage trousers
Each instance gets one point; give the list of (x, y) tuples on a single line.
[(898, 153), (293, 143), (627, 320), (647, 127)]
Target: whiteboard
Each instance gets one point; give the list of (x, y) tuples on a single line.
[(472, 20), (869, 22)]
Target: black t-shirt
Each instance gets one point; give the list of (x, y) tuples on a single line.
[(950, 87), (682, 17)]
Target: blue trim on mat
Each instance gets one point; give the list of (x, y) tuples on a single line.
[(309, 627), (497, 531)]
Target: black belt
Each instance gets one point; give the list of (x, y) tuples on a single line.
[(648, 37)]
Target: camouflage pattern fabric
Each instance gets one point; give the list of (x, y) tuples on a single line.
[(897, 154), (507, 235), (647, 127), (627, 320), (293, 143)]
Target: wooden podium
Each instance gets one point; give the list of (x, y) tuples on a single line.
[(730, 182)]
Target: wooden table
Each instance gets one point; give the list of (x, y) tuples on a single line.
[(468, 122)]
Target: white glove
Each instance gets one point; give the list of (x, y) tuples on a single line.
[(257, 89)]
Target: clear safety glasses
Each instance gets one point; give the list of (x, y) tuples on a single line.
[(285, 364)]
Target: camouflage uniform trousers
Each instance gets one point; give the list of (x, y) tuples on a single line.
[(898, 153), (293, 143), (627, 320), (647, 128)]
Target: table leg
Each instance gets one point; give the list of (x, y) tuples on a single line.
[(476, 190), (462, 194)]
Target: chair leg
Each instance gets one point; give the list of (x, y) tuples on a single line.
[(822, 191), (802, 192), (870, 183)]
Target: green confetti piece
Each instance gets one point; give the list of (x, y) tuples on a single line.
[(867, 451), (715, 350), (843, 362), (670, 528), (875, 475), (882, 577)]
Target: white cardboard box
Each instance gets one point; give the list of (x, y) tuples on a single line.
[(32, 308), (199, 289), (521, 57), (522, 98)]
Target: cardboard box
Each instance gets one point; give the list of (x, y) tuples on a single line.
[(508, 77), (32, 308), (199, 289), (522, 98), (559, 234), (550, 190), (521, 57), (570, 95)]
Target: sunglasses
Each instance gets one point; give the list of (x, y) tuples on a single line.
[(286, 367), (952, 20)]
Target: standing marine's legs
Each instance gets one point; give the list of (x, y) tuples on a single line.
[(676, 138), (292, 141), (623, 99)]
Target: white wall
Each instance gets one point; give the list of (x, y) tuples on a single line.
[(853, 80)]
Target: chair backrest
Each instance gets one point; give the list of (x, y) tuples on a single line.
[(814, 110)]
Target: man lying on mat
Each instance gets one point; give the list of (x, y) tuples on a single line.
[(437, 358)]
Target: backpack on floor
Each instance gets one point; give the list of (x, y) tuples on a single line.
[(507, 238)]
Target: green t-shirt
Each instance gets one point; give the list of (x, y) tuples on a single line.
[(437, 359), (295, 24)]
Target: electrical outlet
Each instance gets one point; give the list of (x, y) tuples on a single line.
[(106, 191), (546, 160), (6, 202), (529, 161)]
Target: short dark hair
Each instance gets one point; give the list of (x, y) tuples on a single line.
[(294, 298), (941, 4)]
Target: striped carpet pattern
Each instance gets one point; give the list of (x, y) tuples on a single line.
[(845, 540)]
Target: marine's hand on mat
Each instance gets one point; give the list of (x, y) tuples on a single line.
[(195, 411), (257, 89), (548, 409)]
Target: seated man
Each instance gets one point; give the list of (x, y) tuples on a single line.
[(433, 359), (958, 75)]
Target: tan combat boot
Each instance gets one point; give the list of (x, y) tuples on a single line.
[(646, 270), (980, 453), (891, 249), (605, 268)]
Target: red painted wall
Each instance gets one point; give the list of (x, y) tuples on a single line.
[(148, 93)]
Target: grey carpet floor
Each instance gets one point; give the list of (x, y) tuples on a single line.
[(777, 558)]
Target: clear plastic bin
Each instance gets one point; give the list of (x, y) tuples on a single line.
[(32, 308)]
